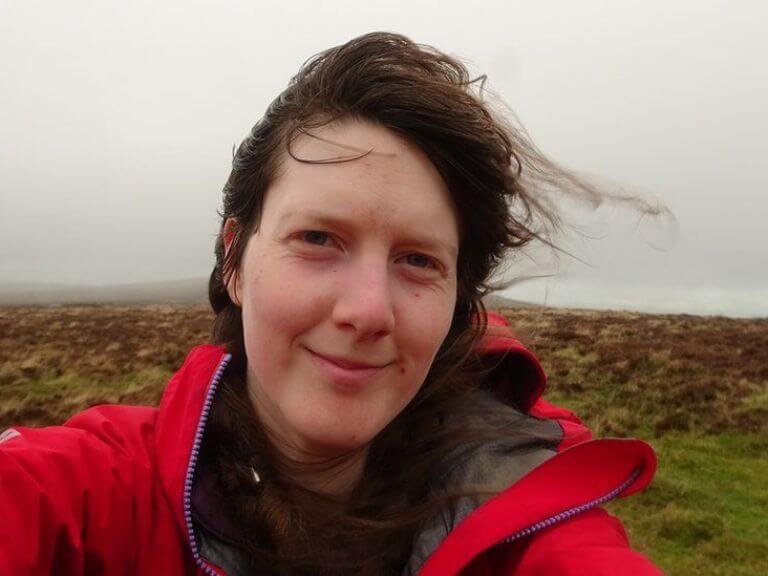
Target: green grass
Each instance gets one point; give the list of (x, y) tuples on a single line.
[(54, 398), (705, 512)]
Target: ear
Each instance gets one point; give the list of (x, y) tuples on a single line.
[(229, 233)]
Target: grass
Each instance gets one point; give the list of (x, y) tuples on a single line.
[(705, 511), (696, 388), (53, 399)]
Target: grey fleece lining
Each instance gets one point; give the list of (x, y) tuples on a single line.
[(224, 555), (495, 467)]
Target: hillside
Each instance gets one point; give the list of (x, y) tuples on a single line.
[(187, 291)]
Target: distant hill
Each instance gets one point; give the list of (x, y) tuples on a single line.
[(496, 302), (188, 291)]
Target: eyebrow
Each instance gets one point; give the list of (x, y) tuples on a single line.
[(336, 221)]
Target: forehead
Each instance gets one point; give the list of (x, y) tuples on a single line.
[(393, 184)]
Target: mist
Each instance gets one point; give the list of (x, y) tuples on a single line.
[(117, 123)]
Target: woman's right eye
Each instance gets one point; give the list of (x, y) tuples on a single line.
[(315, 237)]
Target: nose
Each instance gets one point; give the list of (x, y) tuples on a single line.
[(365, 304)]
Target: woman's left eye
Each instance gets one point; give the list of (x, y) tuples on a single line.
[(421, 261)]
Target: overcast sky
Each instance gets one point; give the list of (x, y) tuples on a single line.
[(117, 121)]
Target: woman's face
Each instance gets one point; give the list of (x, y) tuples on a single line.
[(347, 288)]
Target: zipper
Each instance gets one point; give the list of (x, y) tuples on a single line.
[(212, 387), (570, 512)]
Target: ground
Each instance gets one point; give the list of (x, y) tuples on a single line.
[(696, 388)]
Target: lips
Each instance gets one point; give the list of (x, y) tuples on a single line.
[(348, 364), (346, 372)]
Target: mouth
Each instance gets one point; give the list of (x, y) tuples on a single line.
[(345, 372)]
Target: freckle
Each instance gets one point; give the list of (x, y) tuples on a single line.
[(402, 370)]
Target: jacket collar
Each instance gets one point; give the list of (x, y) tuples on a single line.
[(573, 481)]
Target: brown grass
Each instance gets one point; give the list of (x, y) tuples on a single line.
[(654, 373), (55, 361), (626, 373)]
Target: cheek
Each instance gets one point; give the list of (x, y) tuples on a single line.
[(428, 320), (275, 310)]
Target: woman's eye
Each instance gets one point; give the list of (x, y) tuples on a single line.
[(315, 237), (420, 261)]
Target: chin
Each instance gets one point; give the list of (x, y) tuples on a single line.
[(336, 442)]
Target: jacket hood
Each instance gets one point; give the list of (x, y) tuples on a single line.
[(517, 377)]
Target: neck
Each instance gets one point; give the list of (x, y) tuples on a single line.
[(316, 468), (337, 476)]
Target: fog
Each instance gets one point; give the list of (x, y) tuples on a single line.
[(117, 122)]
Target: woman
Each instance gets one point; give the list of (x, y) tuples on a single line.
[(359, 413)]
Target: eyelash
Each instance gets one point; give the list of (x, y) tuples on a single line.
[(431, 261)]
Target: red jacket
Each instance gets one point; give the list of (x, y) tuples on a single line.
[(110, 491)]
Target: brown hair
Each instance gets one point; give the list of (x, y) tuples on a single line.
[(499, 183)]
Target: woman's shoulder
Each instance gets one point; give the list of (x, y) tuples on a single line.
[(105, 433), (85, 489)]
